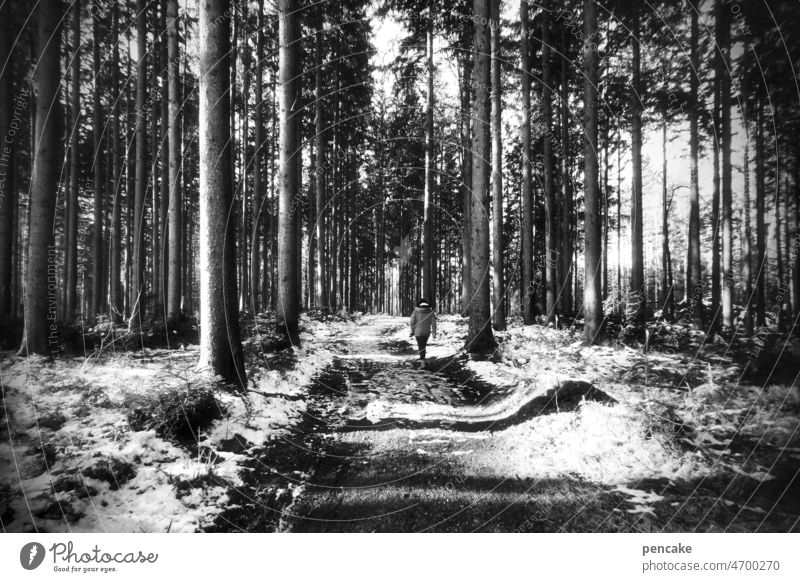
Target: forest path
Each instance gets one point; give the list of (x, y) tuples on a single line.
[(338, 471), (348, 468), (378, 476)]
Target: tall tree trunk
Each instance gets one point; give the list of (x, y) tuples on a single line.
[(794, 247), (716, 283), (592, 302), (568, 268), (551, 254), (723, 42), (666, 259), (244, 237), (140, 185), (527, 189), (747, 260), (8, 191), (116, 303), (163, 227), (761, 255), (256, 289), (466, 183), (220, 342), (499, 316), (175, 237), (40, 284), (480, 337), (321, 139), (288, 315), (130, 148), (694, 280), (427, 223), (784, 254), (786, 281), (618, 301), (99, 299), (71, 218), (155, 169), (638, 296), (606, 201)]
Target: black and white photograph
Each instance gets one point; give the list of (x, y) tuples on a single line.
[(398, 266)]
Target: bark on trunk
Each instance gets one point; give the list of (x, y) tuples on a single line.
[(116, 303), (40, 276), (140, 185), (694, 280), (8, 192), (427, 202), (637, 301), (288, 308), (256, 288), (71, 218), (592, 303), (480, 337), (551, 254), (220, 343), (723, 43), (175, 237), (527, 190), (499, 316), (98, 295)]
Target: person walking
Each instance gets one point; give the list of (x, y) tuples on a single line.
[(423, 324)]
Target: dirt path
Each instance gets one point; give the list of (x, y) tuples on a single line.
[(342, 470), (339, 472)]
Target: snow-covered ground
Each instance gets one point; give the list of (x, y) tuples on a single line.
[(69, 459)]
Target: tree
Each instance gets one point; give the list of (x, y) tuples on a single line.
[(466, 171), (638, 295), (71, 217), (98, 296), (592, 302), (257, 290), (7, 188), (694, 283), (319, 188), (140, 181), (723, 46), (220, 343), (551, 277), (480, 338), (175, 236), (568, 267), (527, 189), (39, 283), (499, 319), (761, 266), (747, 266), (288, 316), (428, 285), (116, 302), (716, 290)]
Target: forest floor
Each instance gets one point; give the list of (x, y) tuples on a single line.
[(349, 433)]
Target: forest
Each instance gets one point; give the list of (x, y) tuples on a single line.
[(217, 216)]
